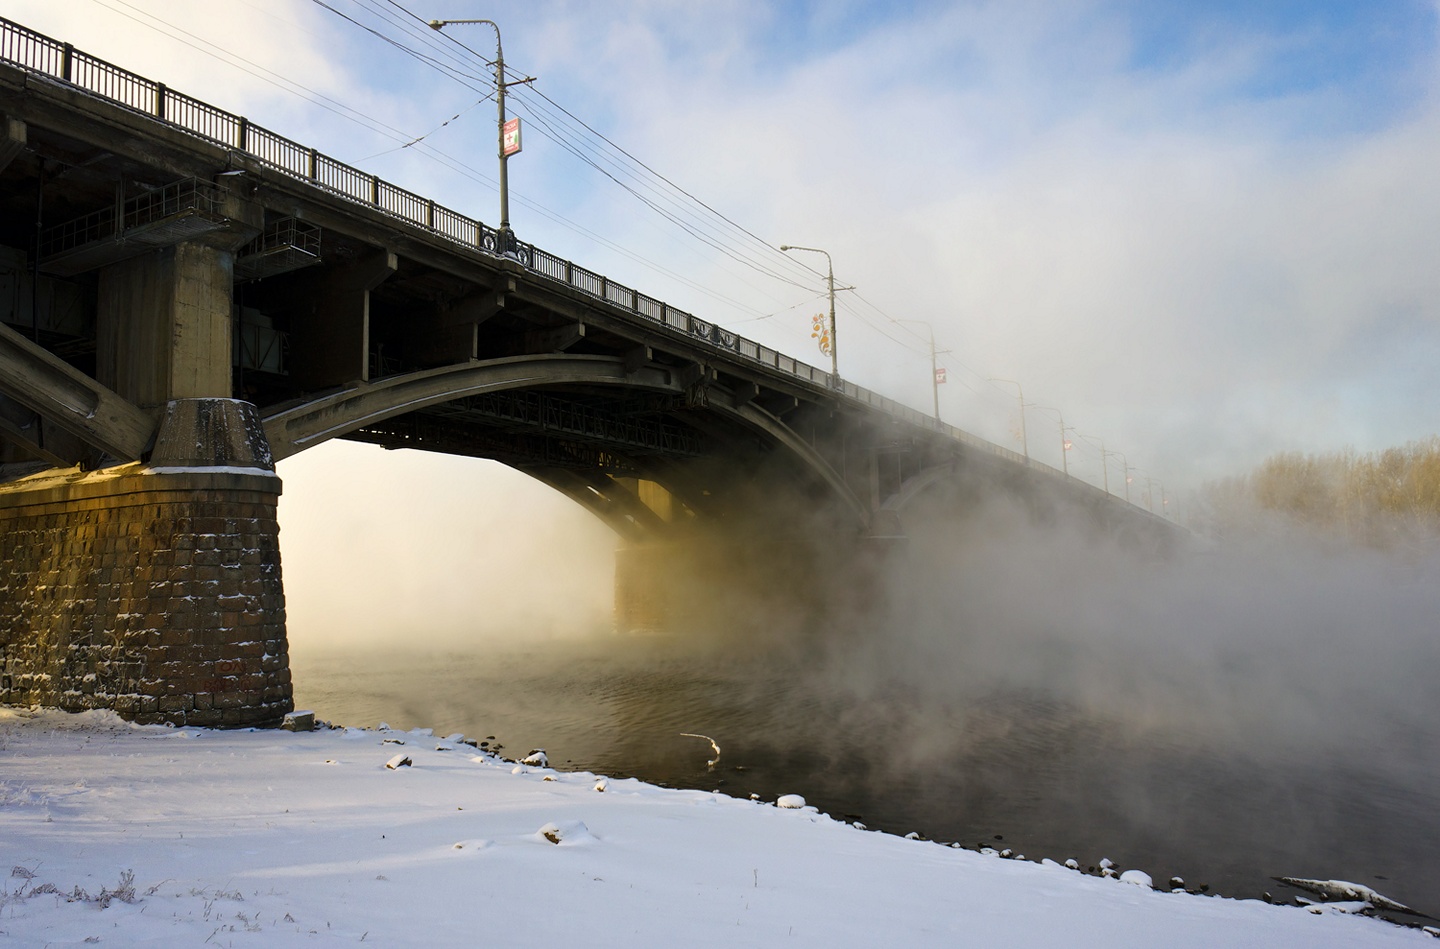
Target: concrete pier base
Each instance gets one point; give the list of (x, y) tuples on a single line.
[(153, 590)]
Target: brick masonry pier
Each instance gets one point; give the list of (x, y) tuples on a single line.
[(153, 590)]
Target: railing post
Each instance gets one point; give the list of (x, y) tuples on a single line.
[(67, 57), (430, 213), (310, 162), (160, 100), (242, 133), (375, 190)]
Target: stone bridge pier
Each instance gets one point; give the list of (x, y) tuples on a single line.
[(151, 586)]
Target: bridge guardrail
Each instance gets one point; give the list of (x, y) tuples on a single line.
[(41, 54)]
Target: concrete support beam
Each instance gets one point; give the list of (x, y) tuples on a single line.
[(12, 140), (451, 333), (554, 341), (330, 340), (55, 390), (638, 358), (475, 308), (164, 319), (163, 323), (26, 430)]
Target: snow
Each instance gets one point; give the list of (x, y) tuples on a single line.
[(145, 835), (211, 469)]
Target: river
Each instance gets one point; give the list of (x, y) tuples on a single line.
[(1005, 766)]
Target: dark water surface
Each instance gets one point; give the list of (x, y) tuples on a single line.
[(1007, 770)]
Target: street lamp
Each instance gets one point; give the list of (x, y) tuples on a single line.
[(1024, 438), (504, 234), (1104, 467), (1064, 442), (1125, 469), (830, 285), (934, 367)]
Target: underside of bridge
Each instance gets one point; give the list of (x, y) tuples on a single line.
[(175, 318), (181, 308)]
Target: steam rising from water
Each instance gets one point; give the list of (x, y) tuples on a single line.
[(1262, 644), (1260, 692)]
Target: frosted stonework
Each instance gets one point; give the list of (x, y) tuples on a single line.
[(157, 595)]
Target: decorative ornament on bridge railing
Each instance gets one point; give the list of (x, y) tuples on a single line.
[(820, 330)]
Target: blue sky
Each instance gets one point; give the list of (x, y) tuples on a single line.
[(1201, 232)]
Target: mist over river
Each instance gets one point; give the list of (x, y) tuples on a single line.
[(1003, 767), (1224, 711)]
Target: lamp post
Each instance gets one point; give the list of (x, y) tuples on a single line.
[(1024, 438), (1064, 442), (1125, 470), (505, 236), (1104, 467), (934, 367), (830, 286)]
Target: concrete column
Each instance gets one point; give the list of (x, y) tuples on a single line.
[(163, 323), (330, 338)]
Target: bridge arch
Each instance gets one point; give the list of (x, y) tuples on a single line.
[(296, 426)]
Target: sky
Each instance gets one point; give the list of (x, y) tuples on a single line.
[(1194, 234)]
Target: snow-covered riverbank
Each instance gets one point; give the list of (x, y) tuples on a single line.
[(187, 836)]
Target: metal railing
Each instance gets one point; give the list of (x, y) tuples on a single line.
[(40, 54), (186, 194)]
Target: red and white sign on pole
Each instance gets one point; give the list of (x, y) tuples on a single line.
[(940, 376), (512, 137)]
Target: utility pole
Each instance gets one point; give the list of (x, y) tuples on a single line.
[(1024, 438), (830, 287), (506, 236)]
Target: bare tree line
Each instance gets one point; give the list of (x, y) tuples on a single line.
[(1382, 499)]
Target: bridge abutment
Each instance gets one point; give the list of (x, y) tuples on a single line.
[(151, 589)]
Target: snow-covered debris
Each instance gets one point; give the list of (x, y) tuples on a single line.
[(1072, 864), (536, 759), (569, 832), (1137, 877), (1343, 890), (399, 761), (601, 784), (299, 721), (791, 801)]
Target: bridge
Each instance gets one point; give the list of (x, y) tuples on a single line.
[(187, 297)]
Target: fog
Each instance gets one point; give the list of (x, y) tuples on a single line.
[(1265, 640), (391, 548), (1266, 643), (1229, 708)]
